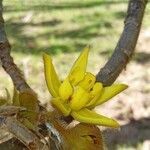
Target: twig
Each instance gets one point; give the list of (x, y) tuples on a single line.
[(10, 110), (15, 127), (126, 43), (6, 59), (23, 134)]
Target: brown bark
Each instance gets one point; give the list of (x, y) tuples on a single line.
[(6, 59), (23, 134), (126, 44)]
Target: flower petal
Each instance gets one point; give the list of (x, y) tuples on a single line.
[(79, 99), (95, 94), (88, 81), (64, 108), (78, 69), (65, 90), (109, 92), (88, 116), (51, 77)]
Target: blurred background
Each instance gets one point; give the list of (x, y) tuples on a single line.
[(63, 28)]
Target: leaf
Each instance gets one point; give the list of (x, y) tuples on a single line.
[(3, 101), (78, 69), (8, 96), (29, 101), (51, 77), (91, 117), (29, 119), (28, 124), (15, 98), (83, 137)]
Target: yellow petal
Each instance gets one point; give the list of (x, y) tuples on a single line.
[(109, 92), (64, 108), (79, 99), (88, 81), (90, 117), (95, 94), (97, 88), (78, 69), (51, 77), (65, 90)]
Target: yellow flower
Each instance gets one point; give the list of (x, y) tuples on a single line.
[(79, 93)]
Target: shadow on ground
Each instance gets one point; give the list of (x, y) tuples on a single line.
[(60, 6), (142, 57), (29, 43), (131, 134), (25, 43)]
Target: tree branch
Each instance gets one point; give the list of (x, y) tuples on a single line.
[(23, 134), (126, 43), (6, 59)]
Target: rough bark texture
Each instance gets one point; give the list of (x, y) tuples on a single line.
[(126, 43), (6, 59)]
